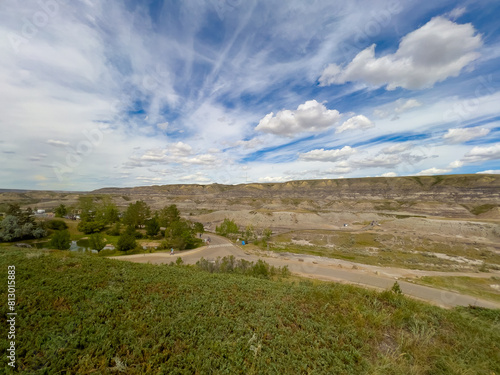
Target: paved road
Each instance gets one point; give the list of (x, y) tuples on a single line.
[(318, 268)]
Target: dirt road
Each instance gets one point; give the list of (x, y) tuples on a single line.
[(322, 269)]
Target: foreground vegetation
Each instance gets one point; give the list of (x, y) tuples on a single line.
[(80, 313)]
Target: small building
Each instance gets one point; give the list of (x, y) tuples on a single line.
[(40, 211)]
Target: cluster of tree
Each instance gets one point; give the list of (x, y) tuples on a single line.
[(61, 211), (178, 233), (232, 265), (229, 228), (96, 213), (19, 225)]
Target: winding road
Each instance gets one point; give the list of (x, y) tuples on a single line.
[(321, 268)]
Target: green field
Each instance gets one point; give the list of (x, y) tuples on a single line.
[(82, 314)]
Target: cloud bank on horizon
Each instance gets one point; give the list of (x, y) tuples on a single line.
[(131, 93)]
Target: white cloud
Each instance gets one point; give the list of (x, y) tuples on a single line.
[(433, 171), (479, 154), (328, 155), (378, 161), (396, 108), (397, 149), (389, 174), (57, 143), (272, 179), (430, 54), (456, 13), (197, 177), (356, 122), (403, 106), (342, 168), (490, 171), (162, 125), (456, 164), (455, 136), (180, 149), (308, 117)]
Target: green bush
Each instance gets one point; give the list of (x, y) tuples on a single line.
[(60, 240), (89, 227), (230, 264), (56, 224), (126, 242), (226, 228), (96, 241)]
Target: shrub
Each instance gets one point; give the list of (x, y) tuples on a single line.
[(115, 231), (60, 240), (89, 227), (126, 242), (56, 224), (227, 227), (230, 264), (96, 241)]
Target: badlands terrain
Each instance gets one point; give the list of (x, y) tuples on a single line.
[(438, 223)]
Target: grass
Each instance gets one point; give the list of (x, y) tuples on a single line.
[(79, 313), (473, 286)]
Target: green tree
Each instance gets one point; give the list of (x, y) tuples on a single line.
[(249, 233), (115, 231), (168, 215), (56, 224), (89, 227), (199, 228), (136, 214), (96, 241), (152, 226), (267, 233), (96, 213), (61, 210), (180, 235), (12, 228), (126, 242), (23, 217), (60, 240), (227, 227)]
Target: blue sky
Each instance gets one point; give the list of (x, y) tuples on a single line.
[(130, 93)]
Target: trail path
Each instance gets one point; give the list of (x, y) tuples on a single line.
[(327, 269)]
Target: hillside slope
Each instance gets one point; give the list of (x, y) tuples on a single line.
[(451, 196), (79, 313)]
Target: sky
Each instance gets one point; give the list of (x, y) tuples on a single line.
[(132, 93)]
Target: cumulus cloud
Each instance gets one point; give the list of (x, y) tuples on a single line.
[(180, 149), (433, 171), (308, 117), (479, 154), (327, 155), (356, 122), (455, 136), (174, 153), (438, 50)]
